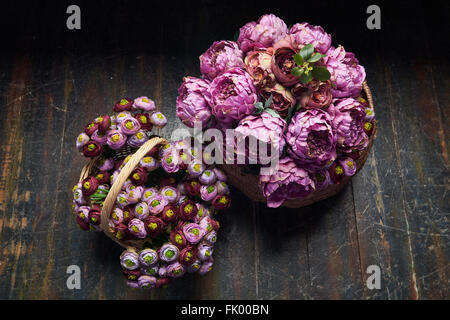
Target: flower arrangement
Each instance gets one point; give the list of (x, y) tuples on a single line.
[(290, 89), (152, 197)]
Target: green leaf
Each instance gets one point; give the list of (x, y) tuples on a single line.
[(268, 102), (298, 59), (272, 112), (307, 51), (259, 107), (236, 35), (315, 57), (321, 73), (305, 78), (297, 72)]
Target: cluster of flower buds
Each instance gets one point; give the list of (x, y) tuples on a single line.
[(173, 207), (290, 89), (168, 201), (130, 125)]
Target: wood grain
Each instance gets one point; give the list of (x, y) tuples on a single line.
[(394, 214)]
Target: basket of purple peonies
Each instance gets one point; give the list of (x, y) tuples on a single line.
[(291, 92), (154, 198)]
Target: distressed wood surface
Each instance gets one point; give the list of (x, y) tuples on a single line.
[(393, 214)]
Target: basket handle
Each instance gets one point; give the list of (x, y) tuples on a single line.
[(121, 178), (368, 94)]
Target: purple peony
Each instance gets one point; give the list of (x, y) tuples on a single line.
[(311, 139), (347, 75), (262, 34), (267, 130), (219, 58), (348, 122), (289, 182), (304, 34), (233, 95), (192, 105)]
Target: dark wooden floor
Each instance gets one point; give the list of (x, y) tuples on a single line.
[(394, 214)]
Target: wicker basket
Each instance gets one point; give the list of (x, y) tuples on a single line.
[(89, 169), (248, 184)]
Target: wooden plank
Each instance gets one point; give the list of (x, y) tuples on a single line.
[(417, 122)]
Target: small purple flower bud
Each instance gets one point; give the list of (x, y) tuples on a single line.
[(148, 257), (370, 115), (83, 213), (175, 270), (206, 224), (201, 212), (221, 176), (205, 251), (144, 103), (194, 267), (149, 163), (158, 119), (122, 200), (148, 193), (170, 161), (170, 193), (122, 116), (106, 164), (222, 188), (129, 260), (156, 204), (137, 228), (117, 216), (211, 237), (116, 139), (82, 139), (79, 197), (349, 166), (195, 168), (130, 126), (141, 210), (193, 232), (147, 282), (168, 252), (206, 267), (132, 284), (150, 271), (208, 193), (99, 137), (207, 177), (138, 139), (162, 271)]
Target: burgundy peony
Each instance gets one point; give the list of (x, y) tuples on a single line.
[(283, 61), (315, 94), (282, 98)]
